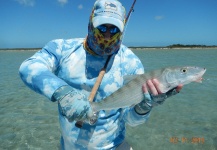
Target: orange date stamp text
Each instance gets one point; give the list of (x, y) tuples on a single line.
[(193, 140)]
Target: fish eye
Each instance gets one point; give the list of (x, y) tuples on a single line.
[(184, 70)]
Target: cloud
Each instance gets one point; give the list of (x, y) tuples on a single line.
[(80, 6), (26, 2), (159, 17), (62, 2)]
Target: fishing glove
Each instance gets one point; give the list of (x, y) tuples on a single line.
[(150, 101), (74, 105)]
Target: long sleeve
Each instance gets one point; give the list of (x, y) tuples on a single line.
[(134, 119), (39, 71), (132, 65)]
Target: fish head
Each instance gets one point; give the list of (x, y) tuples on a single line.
[(172, 77)]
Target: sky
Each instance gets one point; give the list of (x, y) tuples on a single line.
[(33, 23)]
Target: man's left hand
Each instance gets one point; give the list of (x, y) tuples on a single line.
[(153, 96)]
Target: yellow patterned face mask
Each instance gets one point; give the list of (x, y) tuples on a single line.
[(96, 42)]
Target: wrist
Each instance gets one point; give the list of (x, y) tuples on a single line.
[(61, 92), (142, 108)]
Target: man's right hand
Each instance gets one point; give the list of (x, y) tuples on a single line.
[(74, 105)]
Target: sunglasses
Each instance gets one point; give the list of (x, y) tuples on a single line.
[(112, 30)]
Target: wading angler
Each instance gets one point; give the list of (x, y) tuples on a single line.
[(68, 71)]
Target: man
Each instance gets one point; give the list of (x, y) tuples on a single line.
[(65, 71)]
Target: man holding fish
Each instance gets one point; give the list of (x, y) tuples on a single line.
[(65, 71)]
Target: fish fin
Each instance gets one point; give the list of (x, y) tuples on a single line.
[(93, 107), (129, 78)]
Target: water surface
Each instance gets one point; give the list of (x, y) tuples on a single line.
[(186, 121)]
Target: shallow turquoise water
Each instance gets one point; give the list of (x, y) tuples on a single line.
[(30, 121), (188, 120)]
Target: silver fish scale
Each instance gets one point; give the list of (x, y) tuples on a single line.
[(125, 96)]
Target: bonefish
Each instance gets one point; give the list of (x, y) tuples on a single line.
[(131, 93)]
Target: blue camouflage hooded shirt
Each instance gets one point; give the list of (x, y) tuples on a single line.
[(66, 62)]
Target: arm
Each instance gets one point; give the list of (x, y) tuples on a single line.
[(134, 66), (141, 112), (153, 96), (39, 73)]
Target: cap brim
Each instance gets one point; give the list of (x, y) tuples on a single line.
[(99, 20)]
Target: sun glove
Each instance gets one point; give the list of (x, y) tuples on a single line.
[(74, 105), (151, 101)]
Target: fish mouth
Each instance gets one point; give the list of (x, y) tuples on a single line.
[(199, 78)]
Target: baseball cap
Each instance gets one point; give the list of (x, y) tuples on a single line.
[(108, 12)]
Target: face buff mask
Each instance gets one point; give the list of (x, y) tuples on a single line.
[(97, 45)]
